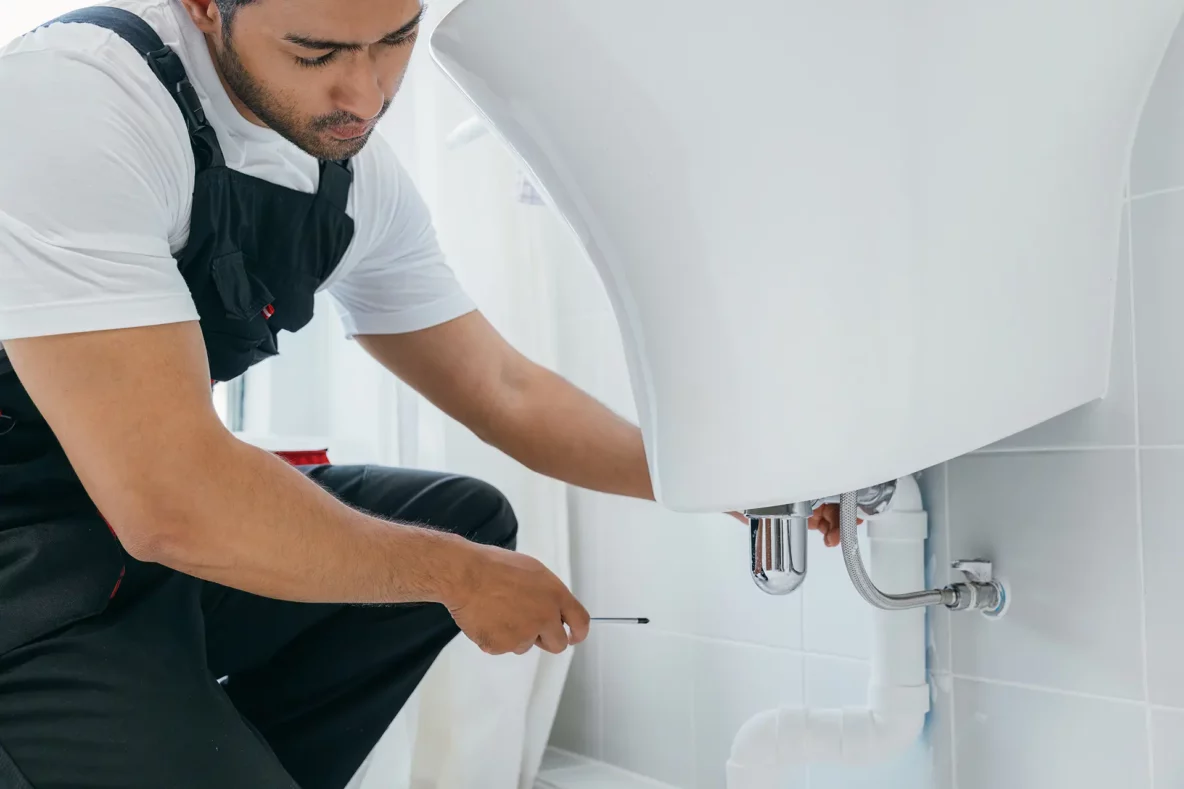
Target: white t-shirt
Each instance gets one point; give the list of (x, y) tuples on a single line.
[(96, 188)]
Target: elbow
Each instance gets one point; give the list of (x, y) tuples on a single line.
[(147, 544), (164, 516), (152, 534)]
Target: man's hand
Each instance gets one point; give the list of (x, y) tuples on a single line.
[(508, 602), (825, 520)]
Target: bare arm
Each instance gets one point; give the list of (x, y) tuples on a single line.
[(533, 415), (133, 411), (541, 420)]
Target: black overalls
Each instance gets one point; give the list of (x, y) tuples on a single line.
[(109, 667)]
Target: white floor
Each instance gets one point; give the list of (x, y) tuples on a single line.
[(563, 770)]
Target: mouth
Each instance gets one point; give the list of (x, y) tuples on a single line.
[(350, 131)]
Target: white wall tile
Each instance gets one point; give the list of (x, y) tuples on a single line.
[(722, 599), (1158, 160), (836, 620), (1061, 528), (1157, 233), (1167, 736), (1015, 738), (1111, 420), (1163, 551), (939, 730), (645, 563), (733, 682), (937, 572), (577, 721), (648, 703), (835, 683)]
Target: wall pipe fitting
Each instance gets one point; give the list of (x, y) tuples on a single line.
[(779, 540), (898, 691), (981, 591)]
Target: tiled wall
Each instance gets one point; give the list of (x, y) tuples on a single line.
[(1081, 685)]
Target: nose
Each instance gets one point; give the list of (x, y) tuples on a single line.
[(360, 90)]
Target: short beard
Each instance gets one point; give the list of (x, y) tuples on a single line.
[(271, 109)]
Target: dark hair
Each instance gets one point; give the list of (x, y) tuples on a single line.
[(228, 7)]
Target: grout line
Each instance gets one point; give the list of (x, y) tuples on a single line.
[(1078, 694), (1093, 448), (949, 539), (1156, 193), (1166, 708), (599, 722), (734, 642), (1009, 450), (1130, 262), (598, 551)]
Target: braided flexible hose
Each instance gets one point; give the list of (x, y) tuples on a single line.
[(849, 537)]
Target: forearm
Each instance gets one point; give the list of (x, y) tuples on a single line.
[(132, 411), (471, 373), (245, 519), (556, 429)]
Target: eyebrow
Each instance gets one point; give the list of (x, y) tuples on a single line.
[(353, 46)]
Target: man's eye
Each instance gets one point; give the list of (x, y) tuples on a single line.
[(314, 62), (403, 41)]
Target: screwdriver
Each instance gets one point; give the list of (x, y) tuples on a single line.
[(624, 620)]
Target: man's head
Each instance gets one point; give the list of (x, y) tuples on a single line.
[(319, 72)]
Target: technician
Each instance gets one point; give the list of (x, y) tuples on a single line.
[(178, 178)]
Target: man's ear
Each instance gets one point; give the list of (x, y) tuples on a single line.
[(204, 14)]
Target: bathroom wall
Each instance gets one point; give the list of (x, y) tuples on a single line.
[(1082, 684)]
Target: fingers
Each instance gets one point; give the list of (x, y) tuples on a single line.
[(576, 617), (826, 522), (554, 638)]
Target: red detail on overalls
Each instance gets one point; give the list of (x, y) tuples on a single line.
[(268, 311), (311, 457), (122, 570)]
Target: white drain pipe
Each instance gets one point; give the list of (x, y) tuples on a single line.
[(898, 695)]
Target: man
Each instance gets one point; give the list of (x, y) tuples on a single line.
[(177, 179)]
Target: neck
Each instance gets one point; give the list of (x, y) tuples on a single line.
[(242, 108)]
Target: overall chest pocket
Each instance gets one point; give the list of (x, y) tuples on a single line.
[(235, 317)]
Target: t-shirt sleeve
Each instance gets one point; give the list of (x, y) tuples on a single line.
[(402, 283), (91, 174)]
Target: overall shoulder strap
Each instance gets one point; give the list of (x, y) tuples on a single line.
[(167, 67), (336, 179)]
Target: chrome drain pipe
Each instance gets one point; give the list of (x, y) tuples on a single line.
[(779, 538)]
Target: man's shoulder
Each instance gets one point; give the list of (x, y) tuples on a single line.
[(112, 72), (99, 82), (85, 103)]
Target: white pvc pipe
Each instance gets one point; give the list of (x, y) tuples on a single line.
[(898, 693)]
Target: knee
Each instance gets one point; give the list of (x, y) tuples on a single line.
[(488, 517)]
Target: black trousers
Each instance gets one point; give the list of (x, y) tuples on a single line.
[(130, 698)]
